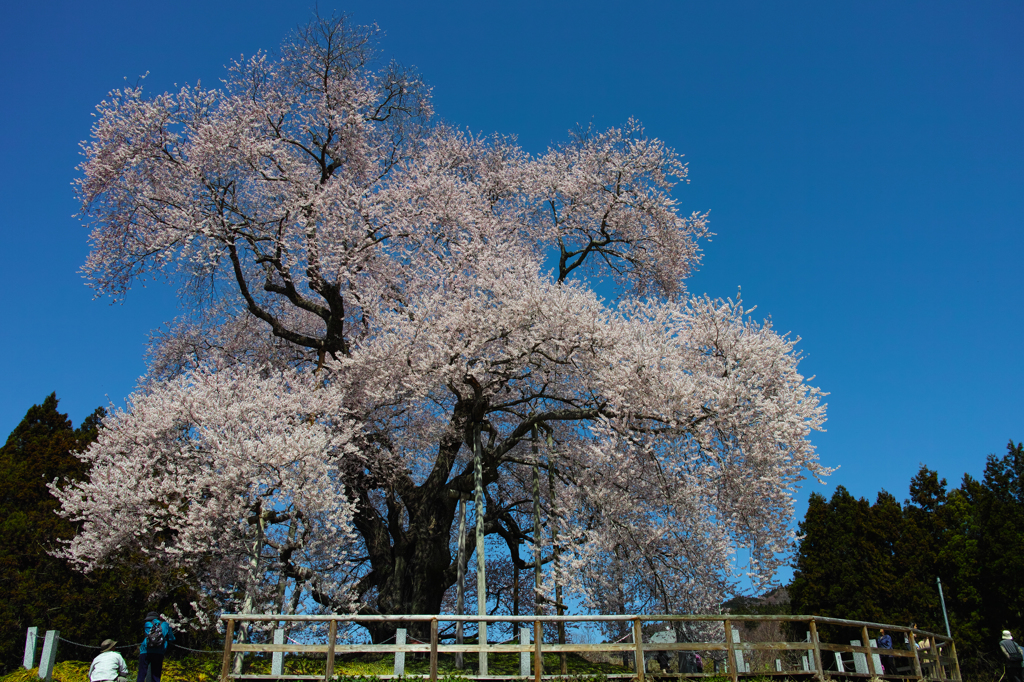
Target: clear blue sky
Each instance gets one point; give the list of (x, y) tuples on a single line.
[(863, 163)]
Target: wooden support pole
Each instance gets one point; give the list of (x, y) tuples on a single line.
[(332, 636), (868, 655), (956, 661), (433, 650), (730, 651), (638, 641), (229, 635), (538, 656), (818, 669), (917, 657)]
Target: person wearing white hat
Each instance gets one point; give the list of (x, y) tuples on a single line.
[(108, 666), (1014, 657)]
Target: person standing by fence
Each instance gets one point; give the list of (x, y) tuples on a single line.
[(158, 638), (109, 665), (884, 641), (1013, 655)]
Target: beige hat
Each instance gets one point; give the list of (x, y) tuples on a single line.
[(107, 645), (1007, 635)]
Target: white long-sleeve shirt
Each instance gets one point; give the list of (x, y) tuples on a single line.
[(108, 666)]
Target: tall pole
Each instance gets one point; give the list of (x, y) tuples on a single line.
[(943, 601), (460, 597), (481, 578), (537, 631), (554, 552)]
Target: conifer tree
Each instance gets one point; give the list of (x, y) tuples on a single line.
[(880, 562), (37, 589)]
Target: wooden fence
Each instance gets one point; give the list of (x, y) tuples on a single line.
[(937, 661)]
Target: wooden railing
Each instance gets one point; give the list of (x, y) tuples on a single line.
[(936, 662)]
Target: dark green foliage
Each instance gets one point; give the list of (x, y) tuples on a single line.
[(41, 590), (880, 562)]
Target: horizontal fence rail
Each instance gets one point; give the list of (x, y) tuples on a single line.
[(935, 660)]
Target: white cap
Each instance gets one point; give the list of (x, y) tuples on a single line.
[(1007, 635)]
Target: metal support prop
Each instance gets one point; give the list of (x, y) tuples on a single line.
[(942, 599), (481, 577), (229, 636), (460, 597), (537, 577), (553, 521)]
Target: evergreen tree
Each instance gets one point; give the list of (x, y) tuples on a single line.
[(39, 589), (844, 565), (880, 562), (1000, 519)]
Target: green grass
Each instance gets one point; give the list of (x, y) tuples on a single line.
[(200, 668)]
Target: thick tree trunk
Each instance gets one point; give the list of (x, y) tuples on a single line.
[(414, 569)]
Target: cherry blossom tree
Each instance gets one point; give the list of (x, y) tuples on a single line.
[(377, 289), (236, 475)]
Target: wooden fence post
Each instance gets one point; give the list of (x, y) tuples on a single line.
[(49, 656), (917, 658), (332, 635), (229, 635), (870, 659), (638, 641), (730, 650), (433, 650), (956, 661), (819, 671), (538, 656), (31, 638)]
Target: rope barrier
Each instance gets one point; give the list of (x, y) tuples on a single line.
[(87, 646), (197, 651), (132, 646)]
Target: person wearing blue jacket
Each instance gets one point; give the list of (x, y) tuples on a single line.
[(155, 643)]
